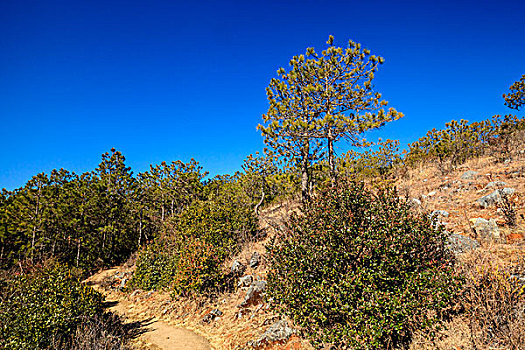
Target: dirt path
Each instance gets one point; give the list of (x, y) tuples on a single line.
[(157, 334)]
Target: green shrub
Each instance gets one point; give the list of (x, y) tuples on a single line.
[(155, 266), (199, 269), (189, 256), (43, 307), (358, 270)]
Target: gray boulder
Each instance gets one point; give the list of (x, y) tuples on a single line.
[(494, 197), (212, 315), (469, 175), (414, 203), (255, 291), (254, 260), (245, 281), (486, 229), (238, 268), (496, 184), (460, 244), (279, 331), (122, 283)]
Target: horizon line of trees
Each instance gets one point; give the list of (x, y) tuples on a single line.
[(99, 218), (94, 219)]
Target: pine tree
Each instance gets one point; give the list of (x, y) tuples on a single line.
[(257, 168), (114, 187), (321, 100), (515, 99)]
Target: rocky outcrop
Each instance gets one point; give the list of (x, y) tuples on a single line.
[(486, 229), (496, 184), (494, 197), (279, 331), (254, 260), (237, 268), (245, 281), (460, 244), (469, 175), (212, 315), (254, 293)]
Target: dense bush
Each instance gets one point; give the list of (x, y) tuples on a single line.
[(358, 270), (44, 307), (155, 266), (189, 256)]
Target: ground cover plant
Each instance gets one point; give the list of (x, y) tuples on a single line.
[(358, 270), (48, 307)]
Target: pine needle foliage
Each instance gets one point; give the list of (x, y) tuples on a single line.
[(515, 99), (323, 98)]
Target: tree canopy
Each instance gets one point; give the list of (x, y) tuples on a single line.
[(515, 99), (322, 99)]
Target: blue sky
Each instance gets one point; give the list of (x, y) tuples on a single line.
[(168, 80)]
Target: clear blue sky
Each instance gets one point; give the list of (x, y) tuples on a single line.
[(168, 80)]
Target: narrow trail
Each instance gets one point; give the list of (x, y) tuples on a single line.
[(156, 334)]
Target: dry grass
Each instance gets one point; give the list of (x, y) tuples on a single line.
[(458, 196), (493, 304), (237, 326), (453, 194)]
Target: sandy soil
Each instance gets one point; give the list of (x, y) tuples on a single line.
[(156, 334)]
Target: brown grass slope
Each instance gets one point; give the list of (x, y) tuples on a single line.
[(238, 326)]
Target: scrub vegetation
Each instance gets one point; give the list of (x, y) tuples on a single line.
[(355, 267)]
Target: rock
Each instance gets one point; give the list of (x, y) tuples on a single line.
[(460, 244), (256, 289), (486, 229), (122, 283), (237, 268), (279, 331), (469, 175), (496, 184), (212, 315), (437, 213), (433, 193), (254, 260), (120, 274), (414, 203), (245, 281), (495, 197)]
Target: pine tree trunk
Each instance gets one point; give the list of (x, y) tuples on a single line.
[(33, 244), (140, 230), (305, 176), (331, 161), (260, 202), (78, 250)]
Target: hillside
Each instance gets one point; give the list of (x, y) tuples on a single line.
[(227, 323)]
